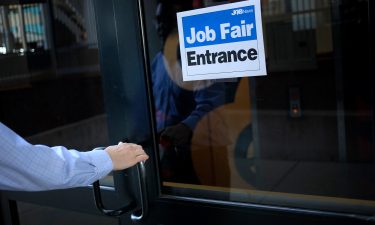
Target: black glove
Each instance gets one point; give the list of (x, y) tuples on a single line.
[(178, 135)]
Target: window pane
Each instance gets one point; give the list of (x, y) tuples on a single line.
[(301, 136), (50, 82)]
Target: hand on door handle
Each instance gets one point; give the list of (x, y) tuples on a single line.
[(125, 155), (139, 212)]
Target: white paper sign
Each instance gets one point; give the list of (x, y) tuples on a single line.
[(222, 41)]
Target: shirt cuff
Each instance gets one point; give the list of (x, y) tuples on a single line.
[(102, 162), (191, 122)]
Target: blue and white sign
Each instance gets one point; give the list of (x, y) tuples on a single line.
[(222, 41)]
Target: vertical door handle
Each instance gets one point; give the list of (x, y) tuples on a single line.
[(139, 213), (110, 212)]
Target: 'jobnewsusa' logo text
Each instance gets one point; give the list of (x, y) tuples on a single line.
[(232, 25)]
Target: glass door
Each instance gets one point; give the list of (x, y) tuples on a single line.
[(295, 146), (51, 93)]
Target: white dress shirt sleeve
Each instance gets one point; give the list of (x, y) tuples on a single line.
[(27, 167)]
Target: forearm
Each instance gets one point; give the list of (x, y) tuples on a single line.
[(46, 169), (206, 100), (29, 167)]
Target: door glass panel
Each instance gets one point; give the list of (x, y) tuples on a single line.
[(301, 136), (50, 82)]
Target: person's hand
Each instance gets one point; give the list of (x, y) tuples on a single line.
[(125, 155), (178, 135)]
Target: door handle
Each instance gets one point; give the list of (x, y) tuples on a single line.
[(139, 213)]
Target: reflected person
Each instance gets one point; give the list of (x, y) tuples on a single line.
[(179, 105)]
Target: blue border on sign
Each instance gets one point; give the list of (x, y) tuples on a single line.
[(212, 21)]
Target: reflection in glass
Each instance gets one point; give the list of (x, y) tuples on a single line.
[(50, 82), (304, 130), (179, 105)]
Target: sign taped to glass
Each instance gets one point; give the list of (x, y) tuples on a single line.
[(223, 41)]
